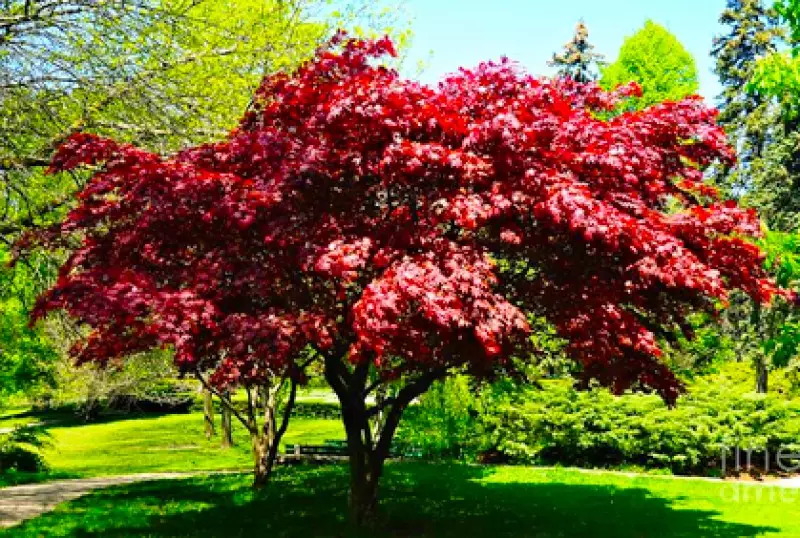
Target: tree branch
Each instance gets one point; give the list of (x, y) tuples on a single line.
[(401, 401), (287, 411), (223, 399), (27, 222), (409, 392)]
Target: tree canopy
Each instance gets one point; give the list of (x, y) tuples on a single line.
[(655, 59), (162, 74), (777, 74), (403, 232), (753, 122)]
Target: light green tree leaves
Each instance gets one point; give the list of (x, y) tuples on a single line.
[(656, 60)]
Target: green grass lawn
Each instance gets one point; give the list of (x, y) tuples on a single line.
[(419, 499), (148, 443), (173, 443), (431, 500), (18, 416)]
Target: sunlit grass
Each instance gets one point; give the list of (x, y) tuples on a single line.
[(431, 500), (169, 443)]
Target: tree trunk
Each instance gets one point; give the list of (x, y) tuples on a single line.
[(261, 401), (762, 375), (369, 447), (366, 467), (208, 413), (262, 468), (266, 442), (363, 500), (227, 425), (762, 370)]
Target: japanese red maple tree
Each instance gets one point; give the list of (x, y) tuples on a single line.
[(365, 216)]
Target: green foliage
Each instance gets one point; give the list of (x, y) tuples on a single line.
[(20, 450), (783, 257), (442, 424), (707, 348), (143, 379), (26, 354), (767, 336), (311, 409), (655, 59), (789, 10), (778, 74), (594, 428), (766, 138)]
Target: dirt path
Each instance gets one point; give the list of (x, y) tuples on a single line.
[(18, 503)]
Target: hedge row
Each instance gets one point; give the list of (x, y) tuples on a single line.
[(559, 425)]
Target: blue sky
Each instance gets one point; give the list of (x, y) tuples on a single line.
[(465, 32)]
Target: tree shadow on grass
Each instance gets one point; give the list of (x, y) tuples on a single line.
[(68, 418), (418, 500)]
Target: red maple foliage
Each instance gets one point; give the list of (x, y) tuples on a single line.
[(409, 228)]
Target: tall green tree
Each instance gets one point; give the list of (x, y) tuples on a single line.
[(774, 83), (159, 73), (759, 113), (752, 121), (767, 168), (655, 59), (578, 60)]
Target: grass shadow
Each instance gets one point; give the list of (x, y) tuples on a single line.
[(66, 418), (419, 500)]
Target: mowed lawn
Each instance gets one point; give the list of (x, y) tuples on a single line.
[(167, 443), (153, 443), (418, 499), (431, 500)]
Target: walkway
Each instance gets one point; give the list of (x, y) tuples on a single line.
[(18, 503)]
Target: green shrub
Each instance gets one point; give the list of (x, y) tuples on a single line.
[(442, 424), (19, 450), (558, 424), (313, 409)]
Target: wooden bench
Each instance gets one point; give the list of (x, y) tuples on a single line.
[(337, 449), (333, 450)]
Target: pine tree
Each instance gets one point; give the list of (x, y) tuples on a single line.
[(578, 60), (751, 121), (765, 146)]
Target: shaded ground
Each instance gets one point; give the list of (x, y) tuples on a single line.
[(24, 502), (18, 503), (429, 500)]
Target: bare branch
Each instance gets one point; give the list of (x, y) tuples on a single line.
[(225, 400)]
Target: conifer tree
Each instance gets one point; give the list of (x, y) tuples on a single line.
[(765, 145), (578, 60), (750, 120)]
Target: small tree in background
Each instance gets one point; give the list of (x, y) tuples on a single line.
[(655, 59), (578, 60), (404, 233)]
